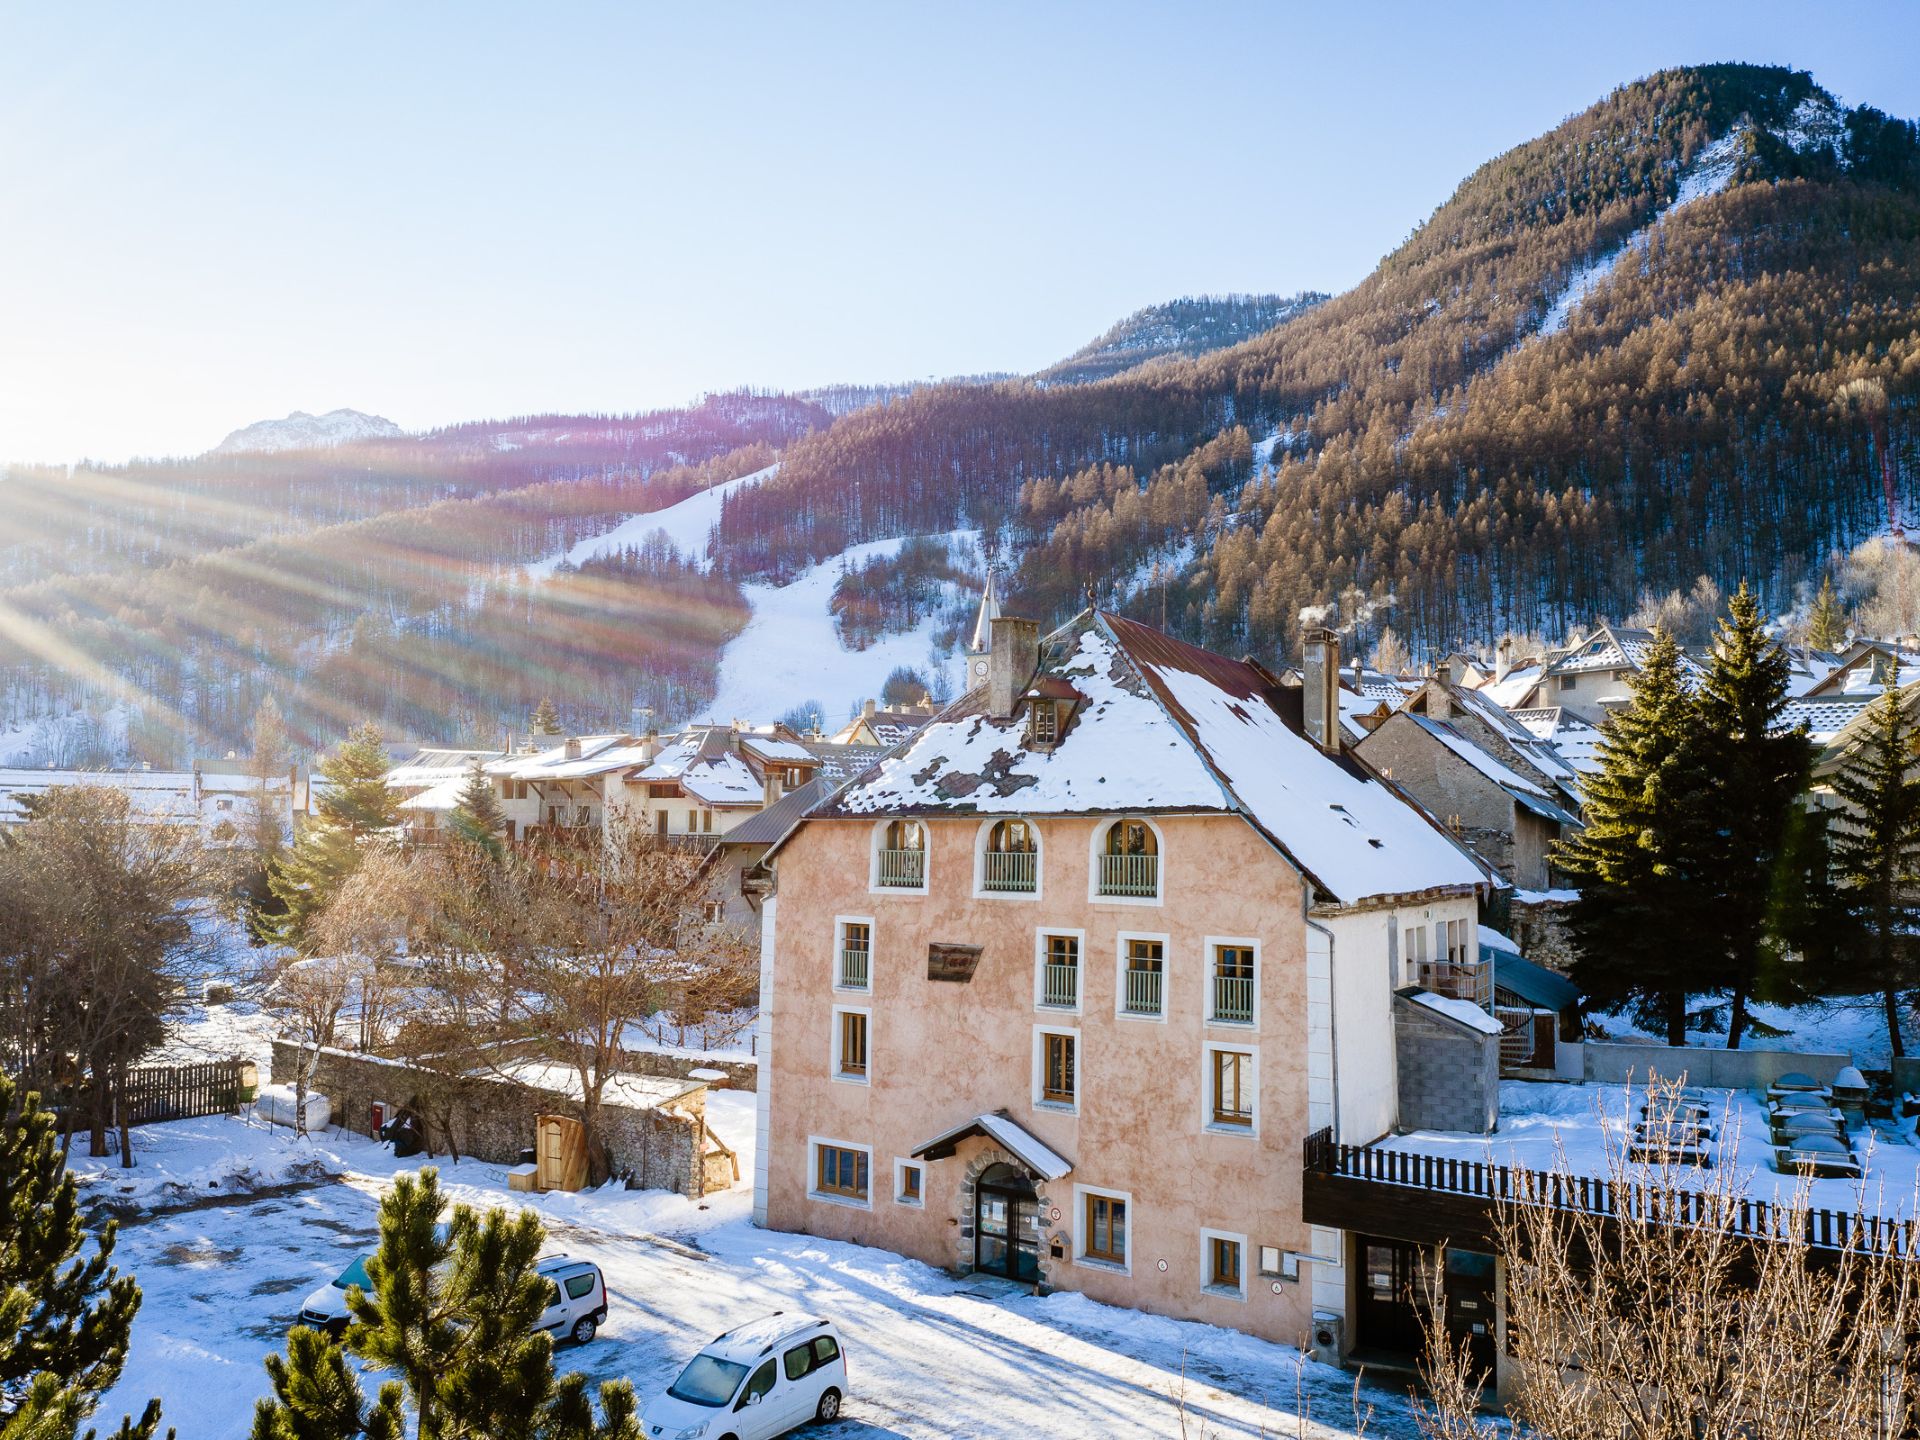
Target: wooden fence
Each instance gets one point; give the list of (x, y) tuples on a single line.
[(1495, 1185), (183, 1092)]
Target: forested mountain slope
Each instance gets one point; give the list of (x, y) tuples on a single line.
[(1441, 442), (1190, 326)]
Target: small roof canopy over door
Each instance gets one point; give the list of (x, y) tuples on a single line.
[(1041, 1161)]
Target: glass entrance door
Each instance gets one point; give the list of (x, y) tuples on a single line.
[(1005, 1214)]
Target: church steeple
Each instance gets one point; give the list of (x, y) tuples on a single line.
[(982, 641)]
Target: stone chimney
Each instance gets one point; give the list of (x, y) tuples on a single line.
[(1457, 669), (1011, 662), (573, 749), (1503, 658), (1320, 699), (867, 708)]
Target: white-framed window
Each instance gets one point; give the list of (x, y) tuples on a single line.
[(853, 953), (909, 1183), (1126, 862), (1059, 969), (1140, 976), (1103, 1228), (841, 1172), (1223, 1264), (1230, 1081), (1006, 860), (1233, 980), (1056, 1069), (852, 1045), (899, 858)]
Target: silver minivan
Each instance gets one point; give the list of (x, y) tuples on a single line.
[(757, 1381)]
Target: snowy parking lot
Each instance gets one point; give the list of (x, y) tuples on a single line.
[(244, 1221)]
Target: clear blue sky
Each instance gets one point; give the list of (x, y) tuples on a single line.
[(212, 214)]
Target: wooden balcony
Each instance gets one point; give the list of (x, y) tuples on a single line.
[(903, 869), (1130, 875), (1014, 872), (1436, 1200)]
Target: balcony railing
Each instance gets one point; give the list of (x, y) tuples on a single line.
[(1130, 875), (853, 969), (1017, 871), (904, 868), (1060, 985), (1144, 990), (1233, 999), (1461, 982)]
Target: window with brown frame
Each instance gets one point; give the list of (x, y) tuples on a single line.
[(1232, 1088), (1044, 722), (1106, 1237), (1223, 1263), (1057, 1079), (853, 1043), (910, 1184), (841, 1170)]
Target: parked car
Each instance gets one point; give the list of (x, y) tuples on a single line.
[(576, 1305), (754, 1382)]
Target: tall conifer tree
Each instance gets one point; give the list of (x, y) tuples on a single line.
[(478, 819), (352, 805), (1756, 773), (1875, 849), (1827, 625), (1639, 925)]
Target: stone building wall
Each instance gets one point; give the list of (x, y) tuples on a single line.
[(1449, 1075), (741, 1074), (492, 1118)]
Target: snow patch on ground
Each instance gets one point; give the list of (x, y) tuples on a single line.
[(687, 524), (930, 1356), (790, 651)]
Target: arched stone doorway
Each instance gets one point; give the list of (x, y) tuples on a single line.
[(1005, 1238)]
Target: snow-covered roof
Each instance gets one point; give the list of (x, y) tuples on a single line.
[(438, 798), (433, 766), (707, 768), (152, 795), (1024, 1146), (1523, 790), (1614, 647), (1515, 686), (1170, 727), (1825, 716), (1461, 1012), (1574, 740), (785, 752), (559, 764)]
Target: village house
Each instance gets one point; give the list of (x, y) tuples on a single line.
[(1505, 792), (883, 728), (1058, 990), (215, 797), (1591, 677)]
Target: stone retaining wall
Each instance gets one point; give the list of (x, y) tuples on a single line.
[(491, 1118), (741, 1074)]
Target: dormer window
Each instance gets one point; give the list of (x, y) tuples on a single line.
[(1043, 722), (1049, 706)]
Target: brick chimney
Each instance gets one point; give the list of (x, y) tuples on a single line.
[(1320, 700), (1010, 663)]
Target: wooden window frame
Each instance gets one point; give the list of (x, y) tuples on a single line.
[(1094, 1205), (1043, 1057), (862, 1159), (842, 1016), (1211, 1276), (1246, 1060), (901, 1196)]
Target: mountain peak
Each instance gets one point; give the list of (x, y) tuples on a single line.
[(301, 431)]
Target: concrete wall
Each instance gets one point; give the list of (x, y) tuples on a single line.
[(1704, 1064), (492, 1119), (1449, 1075), (943, 1052)]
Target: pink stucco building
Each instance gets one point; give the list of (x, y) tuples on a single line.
[(1058, 989)]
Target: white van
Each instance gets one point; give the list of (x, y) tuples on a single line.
[(754, 1382), (576, 1304)]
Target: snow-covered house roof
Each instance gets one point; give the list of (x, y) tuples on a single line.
[(1523, 791), (1825, 716), (575, 759), (1574, 740), (1463, 1013), (1168, 727), (708, 768), (1514, 688), (1865, 669), (436, 765), (1034, 1153)]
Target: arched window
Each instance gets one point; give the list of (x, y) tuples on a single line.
[(1130, 862), (903, 856), (1012, 861)]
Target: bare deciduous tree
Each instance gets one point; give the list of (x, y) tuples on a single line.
[(1667, 1319)]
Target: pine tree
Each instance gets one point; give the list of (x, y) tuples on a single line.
[(1874, 844), (1827, 625), (1639, 922), (546, 720), (450, 1313), (1755, 774), (352, 805), (478, 819), (64, 1322)]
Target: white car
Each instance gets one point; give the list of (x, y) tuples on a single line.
[(754, 1382), (575, 1307)]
